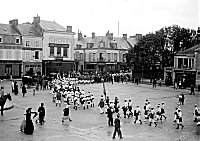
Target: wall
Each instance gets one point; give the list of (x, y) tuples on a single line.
[(68, 39)]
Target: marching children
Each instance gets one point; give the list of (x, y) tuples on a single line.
[(66, 114), (158, 113), (145, 112), (109, 113), (92, 100), (130, 107), (176, 115), (195, 113), (151, 117), (163, 111), (179, 119), (101, 106), (137, 114)]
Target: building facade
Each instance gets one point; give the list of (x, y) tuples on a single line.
[(58, 46), (101, 53), (32, 41), (10, 50), (186, 68)]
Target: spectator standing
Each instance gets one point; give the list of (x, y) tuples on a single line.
[(117, 127), (24, 90)]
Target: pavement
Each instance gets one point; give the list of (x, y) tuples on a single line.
[(89, 125)]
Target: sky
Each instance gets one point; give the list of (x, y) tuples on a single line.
[(118, 16)]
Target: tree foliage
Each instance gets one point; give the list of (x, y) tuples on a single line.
[(156, 50)]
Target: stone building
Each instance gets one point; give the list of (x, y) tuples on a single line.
[(101, 53), (186, 67), (58, 46), (32, 49), (10, 50)]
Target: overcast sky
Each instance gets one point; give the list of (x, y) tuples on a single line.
[(99, 16)]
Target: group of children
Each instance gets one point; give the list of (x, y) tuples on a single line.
[(72, 95)]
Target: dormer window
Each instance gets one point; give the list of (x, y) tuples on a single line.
[(27, 43), (1, 39), (17, 41), (90, 45)]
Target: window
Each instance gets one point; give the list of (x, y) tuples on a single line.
[(94, 57), (37, 44), (1, 40), (59, 51), (65, 52), (115, 57), (78, 46), (27, 43), (124, 57), (81, 56), (51, 51), (185, 62), (17, 41), (100, 56), (90, 45), (180, 62), (36, 54), (108, 57), (113, 45)]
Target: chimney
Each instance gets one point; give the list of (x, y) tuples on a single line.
[(14, 22), (36, 20), (69, 28), (125, 36), (93, 35), (111, 36), (79, 36)]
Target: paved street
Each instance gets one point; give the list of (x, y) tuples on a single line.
[(89, 125)]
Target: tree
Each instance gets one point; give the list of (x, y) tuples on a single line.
[(155, 51)]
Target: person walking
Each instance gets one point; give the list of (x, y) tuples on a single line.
[(58, 98), (117, 127), (192, 90), (137, 114), (29, 127), (66, 114), (2, 92), (179, 119), (41, 111), (152, 117), (195, 113), (15, 88), (163, 111), (109, 113), (101, 106), (24, 90)]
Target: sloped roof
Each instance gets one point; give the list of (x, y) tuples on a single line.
[(51, 25), (28, 30), (121, 43), (7, 29), (189, 51), (132, 41)]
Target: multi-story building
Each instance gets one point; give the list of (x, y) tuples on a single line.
[(10, 50), (58, 46), (101, 53), (186, 67), (32, 49)]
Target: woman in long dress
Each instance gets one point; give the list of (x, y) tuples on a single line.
[(29, 128)]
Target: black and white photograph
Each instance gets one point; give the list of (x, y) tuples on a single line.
[(99, 70)]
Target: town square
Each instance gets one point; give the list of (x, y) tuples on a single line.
[(97, 70)]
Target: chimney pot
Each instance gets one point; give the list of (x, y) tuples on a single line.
[(14, 22), (69, 28), (125, 36), (93, 35)]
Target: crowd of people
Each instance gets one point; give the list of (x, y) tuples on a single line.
[(66, 91)]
